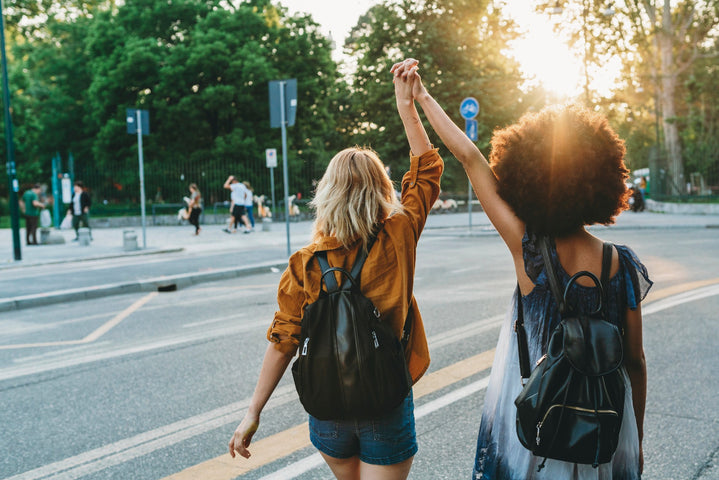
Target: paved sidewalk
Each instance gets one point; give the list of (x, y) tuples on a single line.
[(108, 242), (179, 240)]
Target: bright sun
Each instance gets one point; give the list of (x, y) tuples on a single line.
[(546, 60)]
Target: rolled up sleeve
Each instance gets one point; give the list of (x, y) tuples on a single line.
[(420, 187), (285, 329)]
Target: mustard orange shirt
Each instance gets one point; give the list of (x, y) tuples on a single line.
[(387, 277)]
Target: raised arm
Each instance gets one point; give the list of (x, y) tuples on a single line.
[(416, 135), (475, 165)]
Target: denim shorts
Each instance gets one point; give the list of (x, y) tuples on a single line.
[(384, 441)]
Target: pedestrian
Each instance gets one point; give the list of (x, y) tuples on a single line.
[(249, 199), (33, 207), (80, 209), (194, 207), (238, 193), (354, 202), (551, 174)]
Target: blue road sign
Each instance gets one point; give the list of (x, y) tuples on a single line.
[(470, 128), (131, 119), (469, 108)]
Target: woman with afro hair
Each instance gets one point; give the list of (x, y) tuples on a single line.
[(549, 176)]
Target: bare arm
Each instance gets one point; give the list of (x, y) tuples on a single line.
[(227, 184), (636, 367), (475, 165), (273, 367), (416, 134)]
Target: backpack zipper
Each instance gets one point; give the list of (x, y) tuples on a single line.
[(579, 409), (374, 337), (304, 347)]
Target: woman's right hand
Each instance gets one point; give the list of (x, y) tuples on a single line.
[(406, 73), (242, 437)]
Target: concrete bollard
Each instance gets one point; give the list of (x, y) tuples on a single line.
[(129, 240), (83, 236), (48, 237), (266, 224)]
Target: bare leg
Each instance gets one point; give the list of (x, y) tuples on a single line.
[(246, 222), (343, 468), (398, 471)]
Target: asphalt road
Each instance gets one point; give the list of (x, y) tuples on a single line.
[(151, 385)]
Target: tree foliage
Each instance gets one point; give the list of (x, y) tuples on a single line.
[(201, 69)]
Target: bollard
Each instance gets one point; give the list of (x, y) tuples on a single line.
[(129, 240), (266, 224), (44, 235), (83, 236)]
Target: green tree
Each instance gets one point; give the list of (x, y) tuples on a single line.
[(459, 44), (202, 71), (700, 132), (658, 41)]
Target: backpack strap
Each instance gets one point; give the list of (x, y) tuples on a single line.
[(607, 251), (544, 245), (329, 279), (356, 271), (522, 346), (353, 277)]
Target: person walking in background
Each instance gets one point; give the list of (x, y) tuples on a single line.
[(195, 207), (80, 209), (355, 203), (249, 202), (33, 207), (238, 193), (551, 174)]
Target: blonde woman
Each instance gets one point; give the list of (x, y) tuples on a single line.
[(355, 201)]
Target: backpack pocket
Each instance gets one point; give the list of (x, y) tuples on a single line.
[(577, 431)]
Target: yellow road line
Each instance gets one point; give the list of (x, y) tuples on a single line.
[(676, 289), (296, 438), (102, 330)]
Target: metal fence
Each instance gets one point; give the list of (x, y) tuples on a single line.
[(168, 184)]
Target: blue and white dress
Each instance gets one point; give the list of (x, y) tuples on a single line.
[(500, 456)]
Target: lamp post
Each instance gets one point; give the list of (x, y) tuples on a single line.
[(11, 171)]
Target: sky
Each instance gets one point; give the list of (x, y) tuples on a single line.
[(542, 56)]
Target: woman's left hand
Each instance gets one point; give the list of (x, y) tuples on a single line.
[(242, 437)]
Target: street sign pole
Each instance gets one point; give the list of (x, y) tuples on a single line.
[(56, 190), (138, 114), (283, 107), (271, 159), (469, 108), (273, 210), (285, 177), (10, 165)]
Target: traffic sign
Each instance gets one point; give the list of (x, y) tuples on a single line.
[(469, 108), (131, 119), (470, 128), (285, 99), (271, 157)]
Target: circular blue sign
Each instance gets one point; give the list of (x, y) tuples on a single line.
[(469, 108)]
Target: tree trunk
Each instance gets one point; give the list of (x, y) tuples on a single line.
[(669, 77)]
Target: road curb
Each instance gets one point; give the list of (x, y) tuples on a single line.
[(136, 253), (148, 285)]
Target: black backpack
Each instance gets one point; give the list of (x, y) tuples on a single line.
[(351, 365), (571, 407)]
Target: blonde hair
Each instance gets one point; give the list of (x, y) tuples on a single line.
[(353, 197)]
